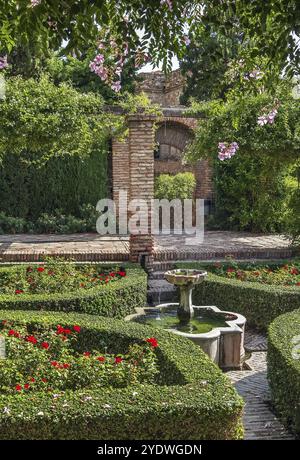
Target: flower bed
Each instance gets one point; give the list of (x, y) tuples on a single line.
[(189, 398), (96, 289), (284, 367), (259, 302)]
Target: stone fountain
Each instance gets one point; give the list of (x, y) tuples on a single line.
[(219, 333)]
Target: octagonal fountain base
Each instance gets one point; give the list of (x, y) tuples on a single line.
[(223, 343)]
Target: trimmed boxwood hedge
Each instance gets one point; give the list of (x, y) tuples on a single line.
[(284, 368), (259, 303), (116, 299), (192, 398)]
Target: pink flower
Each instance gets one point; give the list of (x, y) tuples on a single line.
[(34, 3), (116, 86), (3, 62)]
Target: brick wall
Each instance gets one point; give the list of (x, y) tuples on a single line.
[(162, 89)]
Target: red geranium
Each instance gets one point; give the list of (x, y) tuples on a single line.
[(44, 380), (87, 353), (32, 379), (26, 386), (77, 328), (230, 270), (40, 269), (31, 339), (66, 366), (45, 345), (18, 387), (294, 271), (153, 342), (118, 359), (54, 363), (19, 291), (101, 359), (122, 273), (11, 332), (67, 331)]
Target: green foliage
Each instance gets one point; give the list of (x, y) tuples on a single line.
[(250, 193), (192, 398), (50, 121), (116, 299), (259, 303), (180, 186), (250, 187), (46, 359), (76, 72), (284, 368), (292, 217), (204, 64)]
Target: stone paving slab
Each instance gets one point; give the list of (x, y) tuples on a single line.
[(92, 246)]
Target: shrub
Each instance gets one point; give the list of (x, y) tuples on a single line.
[(259, 303), (192, 398), (116, 299), (54, 154), (284, 367), (181, 186)]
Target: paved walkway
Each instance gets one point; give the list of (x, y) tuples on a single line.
[(259, 420), (89, 246)]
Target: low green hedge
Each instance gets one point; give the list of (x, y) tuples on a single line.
[(192, 398), (116, 299), (259, 303), (284, 367)]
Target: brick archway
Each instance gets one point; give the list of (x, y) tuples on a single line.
[(133, 168)]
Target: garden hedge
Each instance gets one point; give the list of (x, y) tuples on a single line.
[(284, 367), (192, 398), (116, 299), (259, 303)]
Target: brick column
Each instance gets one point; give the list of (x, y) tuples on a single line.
[(141, 163), (120, 169)]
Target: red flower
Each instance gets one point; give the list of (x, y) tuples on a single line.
[(26, 386), (298, 284), (44, 380), (87, 353), (45, 345), (59, 329), (67, 331), (54, 363), (32, 379), (118, 359), (40, 269), (153, 342), (230, 270), (82, 285), (112, 274), (31, 339), (106, 280), (294, 271), (16, 334), (66, 366), (18, 387), (101, 359), (19, 291), (77, 328), (11, 332), (121, 273)]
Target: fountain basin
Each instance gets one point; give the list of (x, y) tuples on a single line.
[(223, 343), (184, 277)]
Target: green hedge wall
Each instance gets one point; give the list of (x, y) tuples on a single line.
[(192, 398), (117, 299), (284, 367), (259, 303), (66, 184)]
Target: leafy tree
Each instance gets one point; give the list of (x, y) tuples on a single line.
[(205, 63)]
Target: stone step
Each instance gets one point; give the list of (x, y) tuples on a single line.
[(160, 291)]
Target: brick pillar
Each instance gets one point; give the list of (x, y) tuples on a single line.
[(120, 169), (141, 149)]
